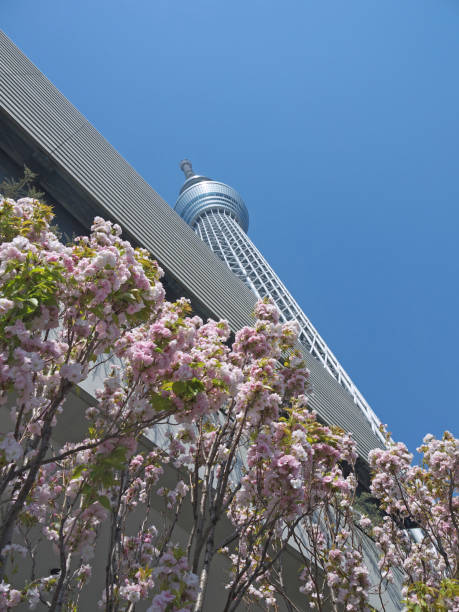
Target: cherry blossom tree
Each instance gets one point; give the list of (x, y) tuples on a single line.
[(240, 464), (420, 530)]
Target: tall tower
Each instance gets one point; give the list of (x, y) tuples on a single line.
[(219, 216)]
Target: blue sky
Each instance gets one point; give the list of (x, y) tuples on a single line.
[(338, 122)]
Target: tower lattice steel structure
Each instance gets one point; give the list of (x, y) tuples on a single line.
[(219, 216)]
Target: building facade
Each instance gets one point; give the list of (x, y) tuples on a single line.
[(219, 216)]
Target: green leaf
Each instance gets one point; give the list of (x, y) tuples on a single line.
[(179, 387), (78, 471), (160, 403), (196, 385), (88, 491), (104, 501), (188, 389)]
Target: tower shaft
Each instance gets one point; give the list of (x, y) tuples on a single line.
[(219, 216)]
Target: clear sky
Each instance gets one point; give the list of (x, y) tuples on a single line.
[(337, 121)]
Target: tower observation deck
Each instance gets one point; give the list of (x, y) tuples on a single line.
[(219, 216)]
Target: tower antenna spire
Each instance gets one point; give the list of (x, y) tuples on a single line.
[(186, 167)]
